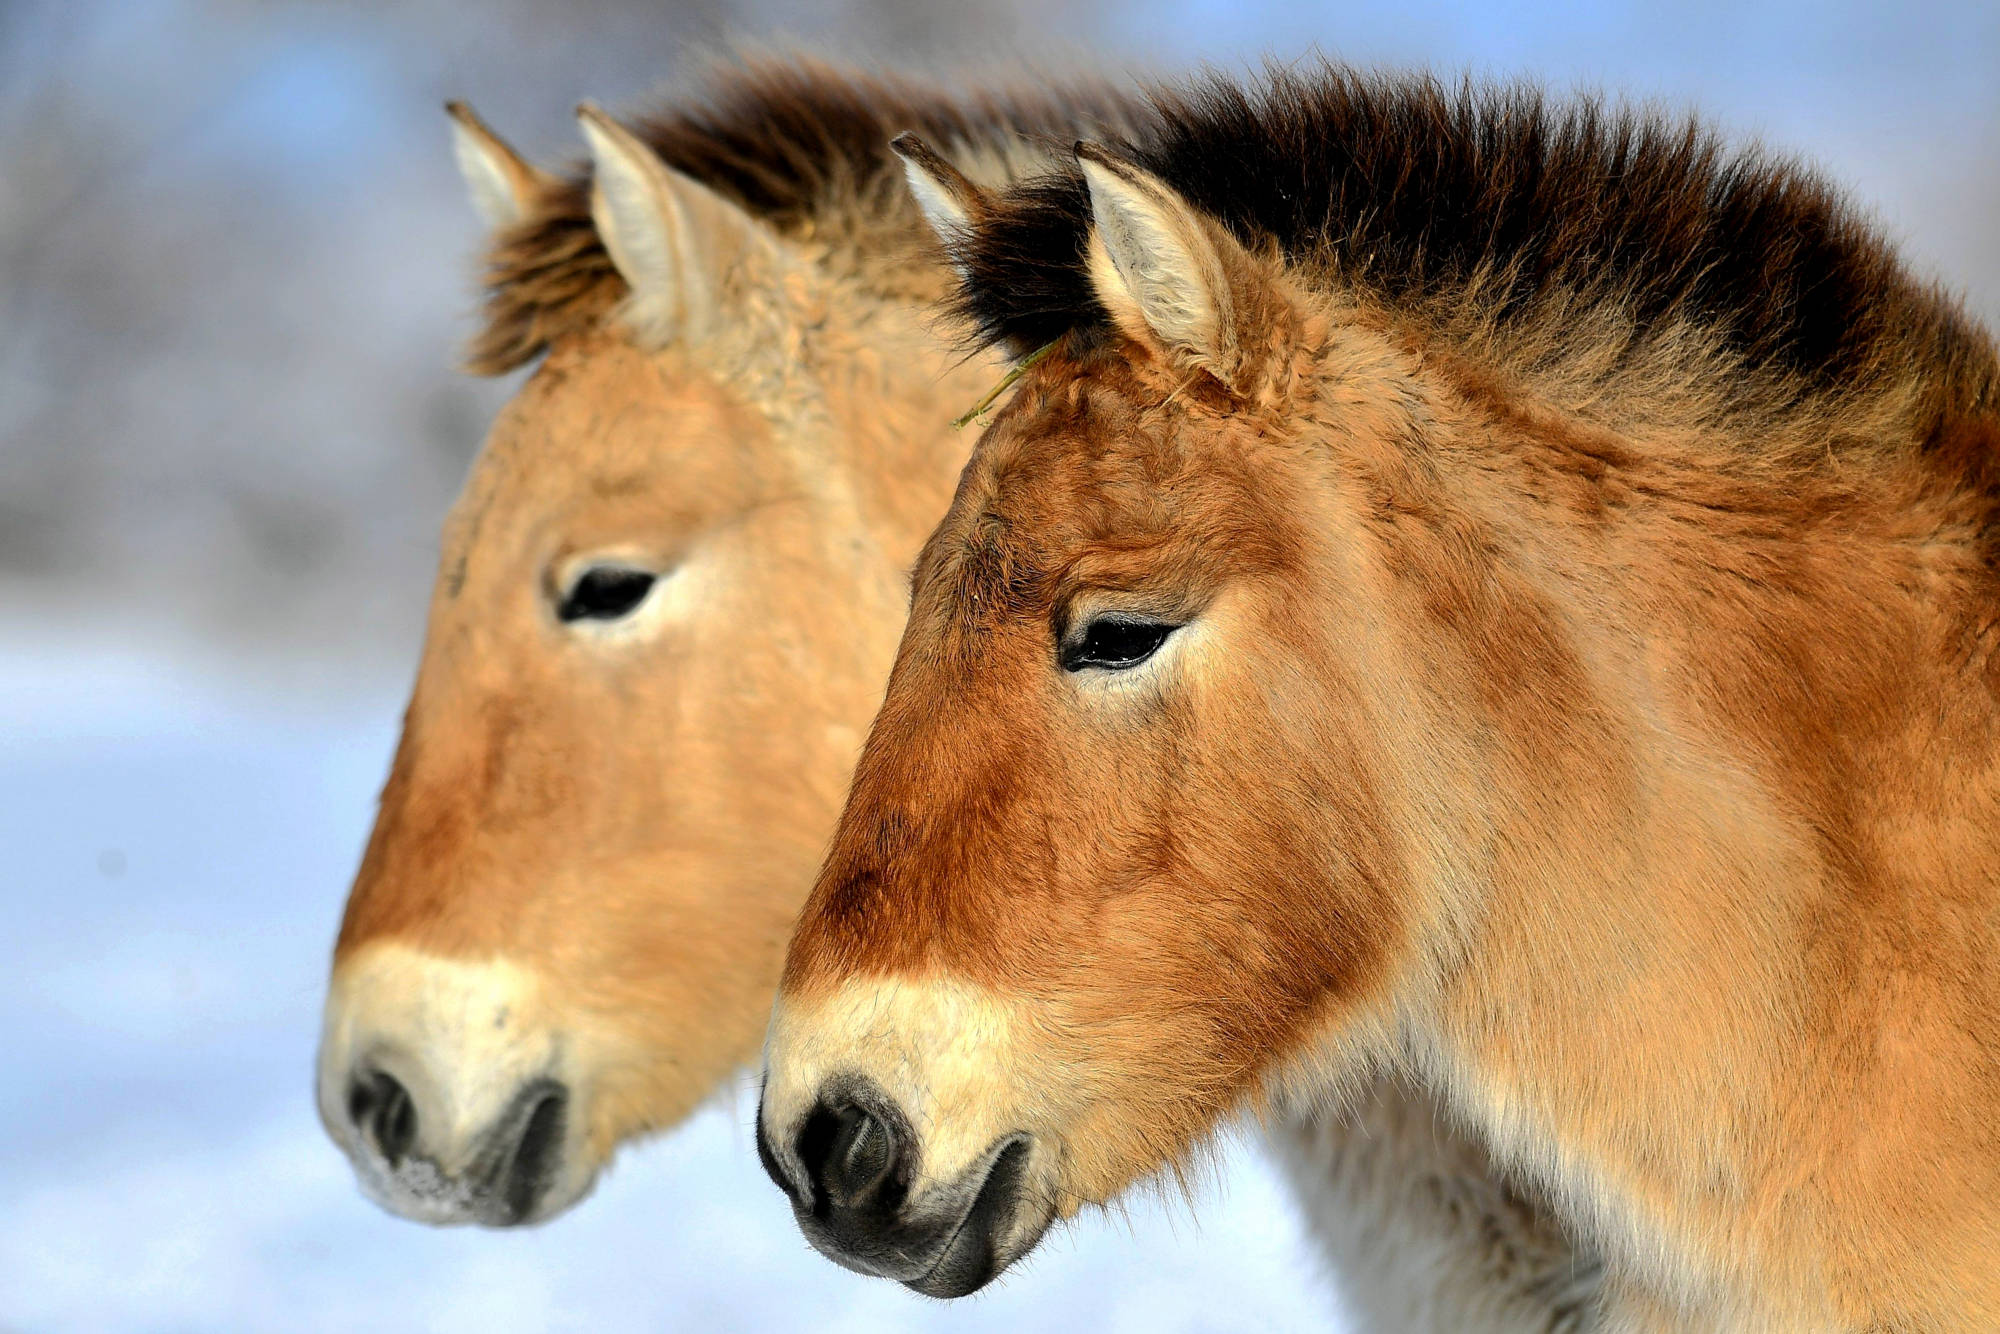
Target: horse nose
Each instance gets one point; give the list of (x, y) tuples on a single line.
[(853, 1167), (384, 1114), (849, 1155), (496, 1173), (452, 1089), (526, 1148)]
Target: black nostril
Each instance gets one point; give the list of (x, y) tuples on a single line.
[(534, 1163), (861, 1152), (848, 1153), (382, 1109)]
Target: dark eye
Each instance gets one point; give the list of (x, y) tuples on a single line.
[(1115, 643), (605, 593)]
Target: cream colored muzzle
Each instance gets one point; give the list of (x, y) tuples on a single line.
[(453, 1097)]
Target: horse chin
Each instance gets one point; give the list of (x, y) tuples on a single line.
[(998, 1228)]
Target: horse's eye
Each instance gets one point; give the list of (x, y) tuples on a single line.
[(1115, 643), (605, 593)]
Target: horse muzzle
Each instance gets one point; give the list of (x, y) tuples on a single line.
[(449, 1092), (502, 1176), (852, 1168)]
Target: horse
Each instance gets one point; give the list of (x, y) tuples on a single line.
[(666, 604), (1487, 588)]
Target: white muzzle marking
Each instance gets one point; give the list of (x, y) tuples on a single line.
[(464, 1041)]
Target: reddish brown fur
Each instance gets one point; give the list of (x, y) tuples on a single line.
[(1599, 720)]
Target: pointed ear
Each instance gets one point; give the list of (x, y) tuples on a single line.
[(951, 203), (672, 238), (504, 186), (1168, 275)]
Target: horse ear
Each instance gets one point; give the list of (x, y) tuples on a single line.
[(503, 185), (671, 237), (951, 203), (1167, 274)]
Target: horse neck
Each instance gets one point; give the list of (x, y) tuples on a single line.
[(1729, 729)]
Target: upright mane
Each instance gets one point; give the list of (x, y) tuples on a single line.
[(1493, 207), (798, 144)]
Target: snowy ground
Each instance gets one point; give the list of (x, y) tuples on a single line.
[(174, 848)]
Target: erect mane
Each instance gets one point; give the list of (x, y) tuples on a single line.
[(1498, 204), (798, 144)]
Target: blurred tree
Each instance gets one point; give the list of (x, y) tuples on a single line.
[(235, 266)]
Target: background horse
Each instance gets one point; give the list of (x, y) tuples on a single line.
[(1500, 591), (666, 603)]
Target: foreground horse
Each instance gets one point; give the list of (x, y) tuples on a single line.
[(1502, 592)]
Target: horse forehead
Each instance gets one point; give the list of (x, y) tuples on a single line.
[(1073, 457), (1031, 465), (605, 422), (603, 391), (1073, 476)]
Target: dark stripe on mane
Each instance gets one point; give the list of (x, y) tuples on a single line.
[(1416, 191), (798, 144)]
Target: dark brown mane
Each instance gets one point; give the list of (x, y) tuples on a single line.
[(1500, 200), (798, 144)]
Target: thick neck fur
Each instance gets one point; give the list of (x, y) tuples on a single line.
[(1721, 967)]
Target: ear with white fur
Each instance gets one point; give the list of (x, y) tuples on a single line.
[(1166, 273), (672, 238), (504, 186), (951, 203)]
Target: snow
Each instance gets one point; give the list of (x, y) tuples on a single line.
[(176, 842)]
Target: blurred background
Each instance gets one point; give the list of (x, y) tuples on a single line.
[(235, 269)]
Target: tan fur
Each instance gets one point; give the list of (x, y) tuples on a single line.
[(627, 820), (1601, 728), (632, 820)]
